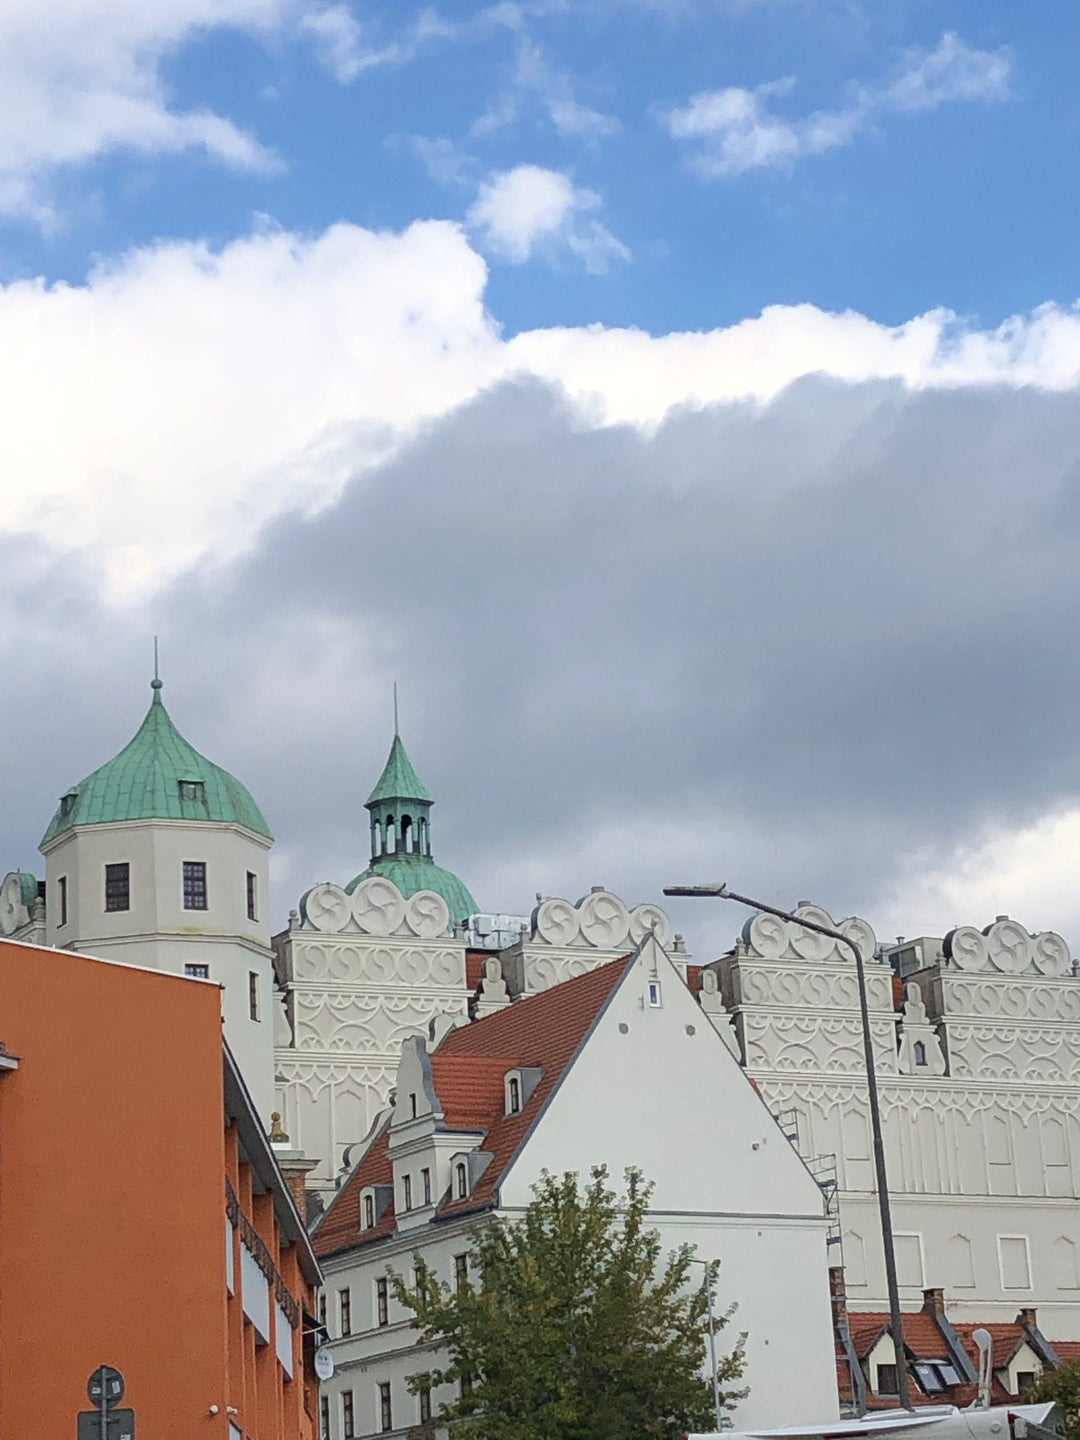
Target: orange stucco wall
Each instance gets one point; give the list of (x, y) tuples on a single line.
[(111, 1194)]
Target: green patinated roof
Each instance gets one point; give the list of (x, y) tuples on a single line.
[(143, 783), (411, 873), (398, 781)]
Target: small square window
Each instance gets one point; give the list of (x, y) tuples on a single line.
[(252, 895), (118, 886), (193, 791), (194, 884), (254, 1009), (197, 972)]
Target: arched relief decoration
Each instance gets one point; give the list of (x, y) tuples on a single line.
[(1063, 1262), (960, 1262), (1007, 948), (767, 937)]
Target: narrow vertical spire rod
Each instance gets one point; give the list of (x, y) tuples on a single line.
[(395, 709), (156, 675)]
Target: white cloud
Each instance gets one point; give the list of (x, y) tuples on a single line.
[(79, 80), (738, 130), (534, 77), (161, 412), (342, 44), (518, 211)]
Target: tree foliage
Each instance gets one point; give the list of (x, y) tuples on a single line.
[(572, 1326), (1063, 1386)]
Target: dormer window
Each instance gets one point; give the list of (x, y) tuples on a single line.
[(461, 1180), (518, 1085), (369, 1212), (67, 802), (513, 1095), (193, 791)]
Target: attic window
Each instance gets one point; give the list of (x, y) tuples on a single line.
[(513, 1095), (369, 1212), (461, 1180), (887, 1382), (193, 790), (67, 802), (654, 994)]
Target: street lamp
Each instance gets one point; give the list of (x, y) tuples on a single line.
[(712, 1344), (895, 1324)]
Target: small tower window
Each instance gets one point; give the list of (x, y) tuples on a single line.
[(406, 833), (194, 884), (254, 1008), (193, 791), (118, 886), (67, 802), (61, 891), (252, 895), (920, 1052)]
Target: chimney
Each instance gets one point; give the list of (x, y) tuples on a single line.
[(1028, 1317), (837, 1294), (933, 1301)]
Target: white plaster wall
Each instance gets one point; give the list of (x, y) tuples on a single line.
[(158, 932), (678, 1106)]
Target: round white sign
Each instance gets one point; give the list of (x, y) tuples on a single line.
[(324, 1363)]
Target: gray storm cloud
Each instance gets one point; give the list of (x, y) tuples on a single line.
[(785, 644)]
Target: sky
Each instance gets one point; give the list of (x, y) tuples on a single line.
[(678, 399)]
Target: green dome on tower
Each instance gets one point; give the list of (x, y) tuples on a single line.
[(400, 809), (157, 776)]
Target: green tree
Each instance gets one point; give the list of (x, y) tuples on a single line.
[(571, 1326), (1063, 1386)]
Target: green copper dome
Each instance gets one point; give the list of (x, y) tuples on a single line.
[(400, 809), (157, 776)]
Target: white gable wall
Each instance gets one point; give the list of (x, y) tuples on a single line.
[(678, 1106)]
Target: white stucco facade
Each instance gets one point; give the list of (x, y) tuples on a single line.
[(978, 1073), (652, 1086)]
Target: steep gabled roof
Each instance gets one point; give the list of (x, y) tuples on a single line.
[(543, 1032), (398, 781)]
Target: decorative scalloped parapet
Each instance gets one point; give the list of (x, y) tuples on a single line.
[(767, 937), (599, 921), (375, 907), (1007, 948)]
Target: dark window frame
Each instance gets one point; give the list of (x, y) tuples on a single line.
[(345, 1311), (382, 1302), (195, 971), (386, 1406), (252, 895), (348, 1415), (369, 1212), (461, 1180), (62, 894), (195, 891), (117, 886), (254, 1004), (461, 1271), (890, 1385), (424, 1396)]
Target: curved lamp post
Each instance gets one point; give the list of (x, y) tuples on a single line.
[(722, 892)]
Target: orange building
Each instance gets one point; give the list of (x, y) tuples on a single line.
[(144, 1222)]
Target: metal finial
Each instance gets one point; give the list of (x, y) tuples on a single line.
[(155, 684), (395, 709)]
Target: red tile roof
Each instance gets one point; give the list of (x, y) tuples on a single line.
[(468, 1069), (1067, 1351)]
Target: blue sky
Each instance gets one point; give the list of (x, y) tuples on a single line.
[(967, 201), (679, 398)]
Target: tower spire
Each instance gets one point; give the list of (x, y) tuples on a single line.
[(396, 730), (156, 683)]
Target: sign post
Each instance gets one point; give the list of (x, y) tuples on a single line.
[(105, 1390)]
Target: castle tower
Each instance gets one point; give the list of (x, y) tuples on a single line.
[(160, 858)]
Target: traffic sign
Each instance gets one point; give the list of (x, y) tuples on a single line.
[(324, 1362), (119, 1425), (105, 1388)]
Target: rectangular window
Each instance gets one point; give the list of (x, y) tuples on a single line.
[(386, 1412), (322, 1310), (425, 1176), (348, 1420), (344, 1309), (197, 972), (193, 791), (1015, 1262), (514, 1096), (382, 1302), (118, 886), (252, 895), (887, 1382), (253, 995), (654, 994), (425, 1404), (406, 1186), (324, 1418), (194, 884), (369, 1212), (461, 1180), (461, 1271), (1025, 1381), (61, 888)]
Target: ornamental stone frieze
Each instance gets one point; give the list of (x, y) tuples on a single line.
[(375, 907), (362, 963)]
